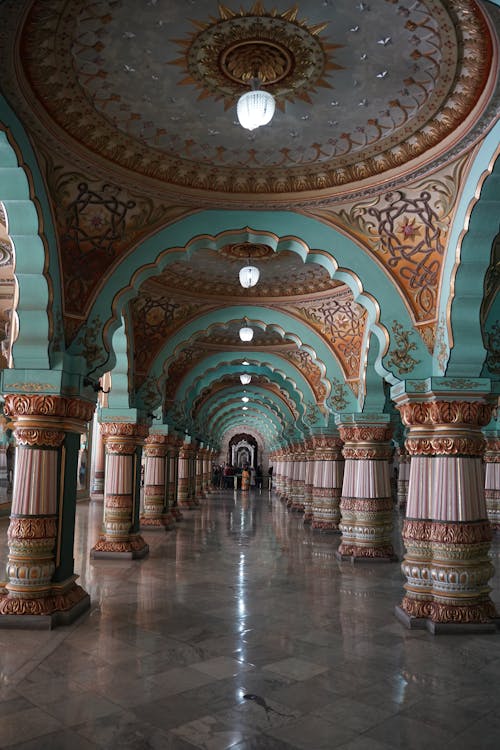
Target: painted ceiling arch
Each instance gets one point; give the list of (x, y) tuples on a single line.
[(339, 254), (191, 393)]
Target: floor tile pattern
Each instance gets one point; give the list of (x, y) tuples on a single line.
[(242, 600)]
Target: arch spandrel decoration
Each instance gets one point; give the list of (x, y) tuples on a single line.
[(340, 253)]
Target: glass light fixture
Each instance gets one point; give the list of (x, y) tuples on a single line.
[(255, 108), (245, 378), (245, 363), (249, 276), (245, 399), (246, 333), (245, 408)]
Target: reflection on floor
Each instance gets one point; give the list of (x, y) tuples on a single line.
[(241, 630)]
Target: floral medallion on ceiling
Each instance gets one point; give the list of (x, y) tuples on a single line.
[(362, 93)]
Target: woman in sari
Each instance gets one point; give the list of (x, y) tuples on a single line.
[(245, 479)]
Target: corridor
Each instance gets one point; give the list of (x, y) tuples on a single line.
[(242, 630)]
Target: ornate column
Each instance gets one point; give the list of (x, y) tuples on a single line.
[(366, 504), (300, 480), (292, 477), (403, 477), (309, 481), (446, 531), (327, 482), (156, 513), (41, 589), (185, 468), (120, 536), (492, 480), (97, 464), (199, 475), (174, 445)]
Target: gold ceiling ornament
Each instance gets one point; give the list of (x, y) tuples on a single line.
[(286, 55)]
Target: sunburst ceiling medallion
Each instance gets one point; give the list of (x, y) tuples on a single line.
[(288, 57)]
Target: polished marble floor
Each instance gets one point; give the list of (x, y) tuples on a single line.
[(241, 600)]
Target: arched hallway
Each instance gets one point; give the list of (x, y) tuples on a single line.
[(243, 599)]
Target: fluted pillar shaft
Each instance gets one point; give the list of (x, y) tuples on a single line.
[(199, 476), (184, 471), (120, 536), (403, 478), (299, 480), (327, 482), (309, 481), (366, 503), (446, 532), (41, 589), (97, 464), (156, 513), (174, 445), (492, 481)]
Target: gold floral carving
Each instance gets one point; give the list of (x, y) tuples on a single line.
[(476, 532), (365, 433), (474, 413), (481, 612), (366, 453), (32, 527), (124, 429), (366, 504), (43, 405), (46, 605), (134, 544), (352, 550), (400, 357), (445, 446), (119, 501), (33, 436)]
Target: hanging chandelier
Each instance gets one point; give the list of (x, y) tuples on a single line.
[(256, 107), (246, 333), (249, 276), (245, 378), (245, 399)]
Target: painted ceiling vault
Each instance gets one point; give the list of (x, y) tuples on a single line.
[(156, 196)]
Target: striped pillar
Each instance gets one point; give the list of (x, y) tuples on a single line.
[(185, 483), (41, 590), (299, 480), (291, 476), (403, 477), (309, 481), (199, 476), (446, 532), (120, 536), (97, 476), (156, 513), (366, 503), (174, 445), (492, 481), (327, 482)]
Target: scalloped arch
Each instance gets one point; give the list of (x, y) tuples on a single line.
[(340, 254), (23, 196)]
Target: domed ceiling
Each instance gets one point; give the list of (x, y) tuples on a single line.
[(131, 108), (363, 89)]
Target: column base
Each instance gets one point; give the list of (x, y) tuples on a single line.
[(365, 554), (308, 518), (43, 613), (165, 522), (177, 514), (297, 508), (445, 628), (331, 526), (134, 548), (96, 498)]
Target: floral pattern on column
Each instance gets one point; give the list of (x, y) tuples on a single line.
[(40, 426), (174, 445), (309, 482), (492, 481), (403, 477), (446, 533), (327, 483), (117, 539), (366, 504), (155, 511)]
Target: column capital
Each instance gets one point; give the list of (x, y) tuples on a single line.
[(36, 411)]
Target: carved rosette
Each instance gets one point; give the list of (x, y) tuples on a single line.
[(363, 442)]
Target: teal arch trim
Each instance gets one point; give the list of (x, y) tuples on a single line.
[(286, 325), (213, 407), (472, 239), (265, 420), (261, 363), (30, 227), (119, 397), (337, 252)]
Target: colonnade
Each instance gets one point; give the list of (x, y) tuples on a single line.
[(340, 480)]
